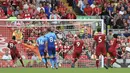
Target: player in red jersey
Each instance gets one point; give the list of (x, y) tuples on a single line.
[(78, 47), (14, 52), (112, 49), (100, 47)]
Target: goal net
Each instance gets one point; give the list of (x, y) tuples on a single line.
[(27, 31)]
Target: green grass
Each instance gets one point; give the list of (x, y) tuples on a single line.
[(64, 70)]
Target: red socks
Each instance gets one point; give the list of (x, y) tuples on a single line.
[(113, 61), (97, 63), (105, 60)]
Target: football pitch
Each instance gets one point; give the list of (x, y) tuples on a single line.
[(64, 70)]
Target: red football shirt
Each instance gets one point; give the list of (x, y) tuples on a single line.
[(88, 10), (10, 11), (27, 16), (115, 43), (12, 44), (97, 10), (100, 39), (78, 45)]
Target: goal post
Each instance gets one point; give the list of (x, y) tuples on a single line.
[(26, 29), (57, 20)]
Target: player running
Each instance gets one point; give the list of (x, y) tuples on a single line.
[(112, 49), (41, 43), (100, 47), (14, 51), (78, 46), (51, 38)]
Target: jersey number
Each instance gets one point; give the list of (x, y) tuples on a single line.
[(78, 44), (11, 44), (99, 39), (51, 39), (41, 42)]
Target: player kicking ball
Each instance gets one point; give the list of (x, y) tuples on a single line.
[(100, 47), (112, 50), (78, 46), (41, 43), (51, 39), (14, 51)]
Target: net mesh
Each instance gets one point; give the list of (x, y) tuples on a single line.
[(26, 33)]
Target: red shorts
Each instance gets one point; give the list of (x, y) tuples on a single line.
[(101, 50), (15, 55), (112, 52), (76, 54)]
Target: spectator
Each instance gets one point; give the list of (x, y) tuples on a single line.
[(96, 10), (21, 13), (25, 6), (118, 8), (128, 20), (69, 35), (42, 14), (126, 34), (88, 10), (17, 11), (119, 52), (119, 23), (48, 9), (129, 39), (10, 11), (90, 2), (126, 15), (110, 35), (54, 15), (1, 12), (27, 15), (61, 35), (111, 10), (6, 56), (33, 11), (128, 10), (81, 5), (62, 10), (70, 15), (40, 7), (122, 11), (93, 56), (89, 52), (128, 48)]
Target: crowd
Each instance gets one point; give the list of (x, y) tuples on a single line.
[(114, 12), (35, 9)]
